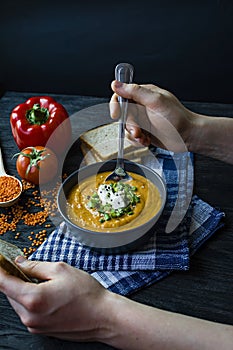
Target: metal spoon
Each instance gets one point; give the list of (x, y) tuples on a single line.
[(124, 74), (3, 173)]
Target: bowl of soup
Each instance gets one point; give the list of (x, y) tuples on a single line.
[(111, 216)]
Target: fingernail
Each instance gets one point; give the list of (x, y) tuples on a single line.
[(20, 259), (118, 84)]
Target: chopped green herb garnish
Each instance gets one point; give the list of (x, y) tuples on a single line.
[(107, 217), (107, 211)]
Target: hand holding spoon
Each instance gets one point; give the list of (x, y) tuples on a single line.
[(124, 74)]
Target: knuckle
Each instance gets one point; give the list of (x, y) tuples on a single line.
[(32, 266), (60, 267), (34, 303), (135, 87), (134, 91), (28, 320), (160, 95), (159, 99)]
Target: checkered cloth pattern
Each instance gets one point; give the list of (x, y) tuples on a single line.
[(164, 251)]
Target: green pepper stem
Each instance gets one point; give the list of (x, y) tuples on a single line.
[(37, 114), (34, 157)]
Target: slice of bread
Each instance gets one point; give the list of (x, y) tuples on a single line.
[(101, 144), (89, 157), (8, 253), (104, 141)]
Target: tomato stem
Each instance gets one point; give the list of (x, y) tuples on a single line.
[(35, 156), (37, 114)]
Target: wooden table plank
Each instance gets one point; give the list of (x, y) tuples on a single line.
[(204, 291)]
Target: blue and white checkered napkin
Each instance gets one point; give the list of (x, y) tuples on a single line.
[(163, 252)]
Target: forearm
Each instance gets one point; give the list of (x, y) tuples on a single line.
[(212, 136), (136, 326)]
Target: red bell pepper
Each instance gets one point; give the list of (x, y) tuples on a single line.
[(41, 121)]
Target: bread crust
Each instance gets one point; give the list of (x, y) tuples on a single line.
[(8, 253), (11, 269)]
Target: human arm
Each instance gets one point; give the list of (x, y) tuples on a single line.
[(84, 311), (159, 114)]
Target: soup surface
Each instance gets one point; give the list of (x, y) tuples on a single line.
[(100, 205)]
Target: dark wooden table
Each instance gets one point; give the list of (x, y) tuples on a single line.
[(205, 291)]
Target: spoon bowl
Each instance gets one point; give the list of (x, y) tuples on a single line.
[(7, 178), (119, 174)]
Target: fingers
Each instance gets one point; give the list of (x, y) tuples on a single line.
[(37, 269), (9, 284), (114, 107), (143, 140), (141, 94), (43, 270), (133, 128), (13, 287), (137, 124), (135, 133)]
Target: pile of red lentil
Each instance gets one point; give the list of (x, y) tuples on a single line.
[(9, 188), (34, 209)]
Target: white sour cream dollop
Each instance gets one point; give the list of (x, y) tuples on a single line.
[(117, 200)]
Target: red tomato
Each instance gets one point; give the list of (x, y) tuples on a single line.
[(37, 164)]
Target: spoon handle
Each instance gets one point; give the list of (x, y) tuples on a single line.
[(2, 170), (123, 73)]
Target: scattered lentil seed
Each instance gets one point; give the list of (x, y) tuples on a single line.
[(21, 214)]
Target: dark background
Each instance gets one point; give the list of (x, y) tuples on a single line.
[(72, 47)]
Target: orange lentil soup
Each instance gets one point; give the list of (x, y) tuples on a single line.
[(80, 213)]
